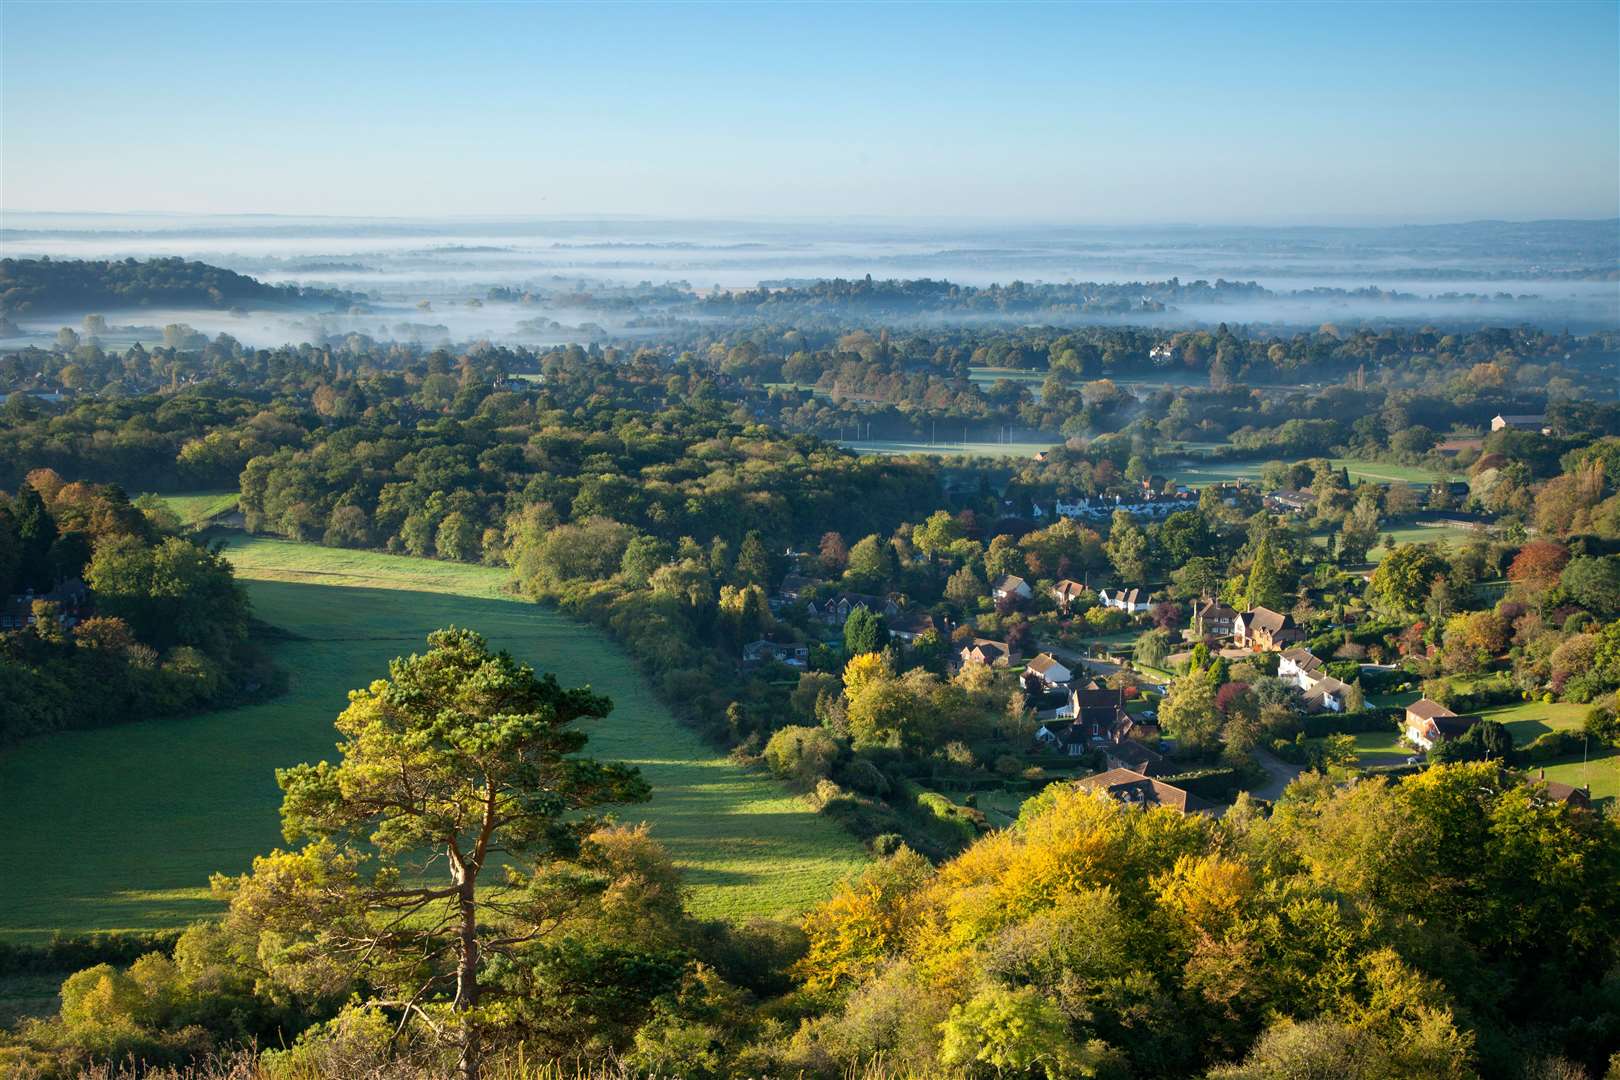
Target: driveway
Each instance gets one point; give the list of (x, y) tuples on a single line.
[(1279, 775)]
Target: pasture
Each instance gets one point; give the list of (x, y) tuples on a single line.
[(120, 828)]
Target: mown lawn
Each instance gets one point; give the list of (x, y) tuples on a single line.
[(119, 828), (1377, 747), (1601, 771), (1527, 720)]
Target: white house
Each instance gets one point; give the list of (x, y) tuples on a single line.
[(1299, 666), (1013, 587), (1131, 601), (1049, 670)]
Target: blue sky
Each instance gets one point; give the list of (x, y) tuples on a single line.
[(1203, 113)]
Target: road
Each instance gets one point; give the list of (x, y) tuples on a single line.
[(1100, 668)]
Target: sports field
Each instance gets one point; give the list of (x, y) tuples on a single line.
[(120, 828)]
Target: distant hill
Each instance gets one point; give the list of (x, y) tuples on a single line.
[(44, 286)]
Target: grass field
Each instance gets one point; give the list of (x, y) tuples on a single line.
[(948, 449), (120, 828), (1525, 721), (1212, 472), (198, 507)]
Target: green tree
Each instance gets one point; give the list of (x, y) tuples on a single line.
[(1405, 577), (1188, 713), (462, 754), (1127, 548), (1198, 577), (1265, 585), (871, 564), (801, 754), (174, 593), (753, 561), (864, 631), (965, 586), (1594, 583), (36, 532), (1003, 1032)]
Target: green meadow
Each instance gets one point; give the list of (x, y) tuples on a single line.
[(948, 449), (1198, 471), (200, 507), (120, 828)]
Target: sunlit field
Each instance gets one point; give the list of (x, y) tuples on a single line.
[(119, 828)]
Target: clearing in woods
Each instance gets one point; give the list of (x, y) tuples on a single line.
[(119, 828)]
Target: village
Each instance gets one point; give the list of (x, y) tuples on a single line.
[(1326, 676)]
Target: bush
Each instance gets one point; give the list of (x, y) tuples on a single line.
[(1317, 725), (803, 755), (1551, 746)]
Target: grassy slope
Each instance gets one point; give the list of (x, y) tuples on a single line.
[(198, 507), (120, 828)]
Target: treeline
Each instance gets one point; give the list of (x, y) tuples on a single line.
[(112, 618), (1458, 923), (44, 286)]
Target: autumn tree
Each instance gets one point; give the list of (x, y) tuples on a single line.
[(1536, 567), (461, 761)]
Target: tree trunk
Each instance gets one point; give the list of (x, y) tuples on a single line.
[(469, 1065)]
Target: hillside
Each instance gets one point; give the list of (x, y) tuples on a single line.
[(124, 825)]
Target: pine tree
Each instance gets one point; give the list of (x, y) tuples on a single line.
[(37, 532), (1265, 580)]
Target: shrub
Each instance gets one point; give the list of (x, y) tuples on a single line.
[(803, 755)]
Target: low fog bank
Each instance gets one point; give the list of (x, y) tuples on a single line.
[(544, 282)]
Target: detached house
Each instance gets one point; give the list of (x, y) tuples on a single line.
[(1011, 587), (1214, 619), (987, 652), (837, 609), (1135, 789), (911, 624), (762, 651), (1066, 592), (1049, 670), (1299, 666), (1130, 601), (1536, 422), (1429, 722), (795, 586), (1291, 502), (1303, 669), (1094, 717), (1264, 630)]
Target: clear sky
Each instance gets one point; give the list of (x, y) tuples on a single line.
[(1202, 113)]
